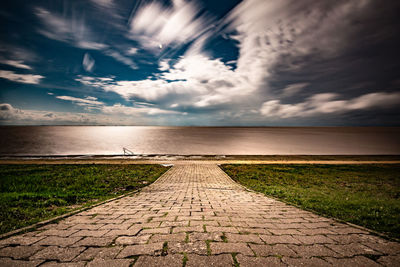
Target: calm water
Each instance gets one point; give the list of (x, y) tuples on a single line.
[(109, 140)]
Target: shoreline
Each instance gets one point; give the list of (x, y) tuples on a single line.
[(218, 159)]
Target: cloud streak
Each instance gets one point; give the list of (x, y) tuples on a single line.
[(328, 103), (88, 62), (15, 63), (20, 78)]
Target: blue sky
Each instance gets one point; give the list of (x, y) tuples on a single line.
[(245, 63)]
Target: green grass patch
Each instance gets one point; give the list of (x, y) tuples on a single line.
[(367, 195), (32, 193)]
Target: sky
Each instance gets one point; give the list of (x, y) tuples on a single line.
[(200, 63)]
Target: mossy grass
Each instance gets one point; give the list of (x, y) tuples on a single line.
[(32, 193), (367, 195)]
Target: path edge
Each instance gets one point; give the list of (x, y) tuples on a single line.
[(71, 213), (373, 232)]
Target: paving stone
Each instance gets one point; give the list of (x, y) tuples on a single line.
[(201, 223), (147, 249), (98, 253), (315, 250), (306, 262), (390, 261), (284, 231), (218, 248), (169, 237), (198, 229), (164, 230), (110, 263), (313, 239), (212, 229), (317, 231), (59, 241), (205, 236), (351, 250), (57, 253), (151, 261), (222, 260), (114, 226), (63, 264), (128, 232), (174, 224), (7, 262), (21, 240), (273, 250), (198, 247), (19, 252), (92, 233), (279, 239), (254, 231), (130, 240), (237, 238), (87, 226), (94, 242), (347, 230), (54, 232), (354, 238), (384, 247), (246, 261), (356, 261)]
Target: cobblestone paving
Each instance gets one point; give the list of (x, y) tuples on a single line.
[(195, 215)]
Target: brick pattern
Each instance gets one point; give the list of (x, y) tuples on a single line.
[(196, 214)]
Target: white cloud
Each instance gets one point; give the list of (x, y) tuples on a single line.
[(11, 115), (163, 65), (15, 63), (70, 30), (293, 89), (121, 109), (131, 51), (264, 31), (156, 26), (328, 103), (20, 78), (88, 62), (88, 101), (103, 3), (120, 58)]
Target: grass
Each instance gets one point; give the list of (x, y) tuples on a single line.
[(32, 193), (366, 195)]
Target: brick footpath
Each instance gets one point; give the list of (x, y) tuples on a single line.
[(195, 215)]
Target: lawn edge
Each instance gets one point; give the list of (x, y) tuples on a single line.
[(383, 235), (63, 216), (71, 213)]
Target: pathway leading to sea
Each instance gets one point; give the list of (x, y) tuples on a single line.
[(198, 216)]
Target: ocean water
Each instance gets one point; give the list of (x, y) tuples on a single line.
[(110, 140)]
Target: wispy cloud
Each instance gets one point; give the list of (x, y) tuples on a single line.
[(88, 101), (88, 62), (131, 51), (293, 89), (329, 103), (20, 78), (15, 63), (120, 58), (71, 30), (156, 26)]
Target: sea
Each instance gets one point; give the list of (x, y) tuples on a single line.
[(154, 140)]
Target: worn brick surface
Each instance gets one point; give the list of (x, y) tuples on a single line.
[(169, 260), (223, 260), (246, 261), (197, 210)]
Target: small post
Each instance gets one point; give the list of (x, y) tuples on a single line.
[(127, 152)]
